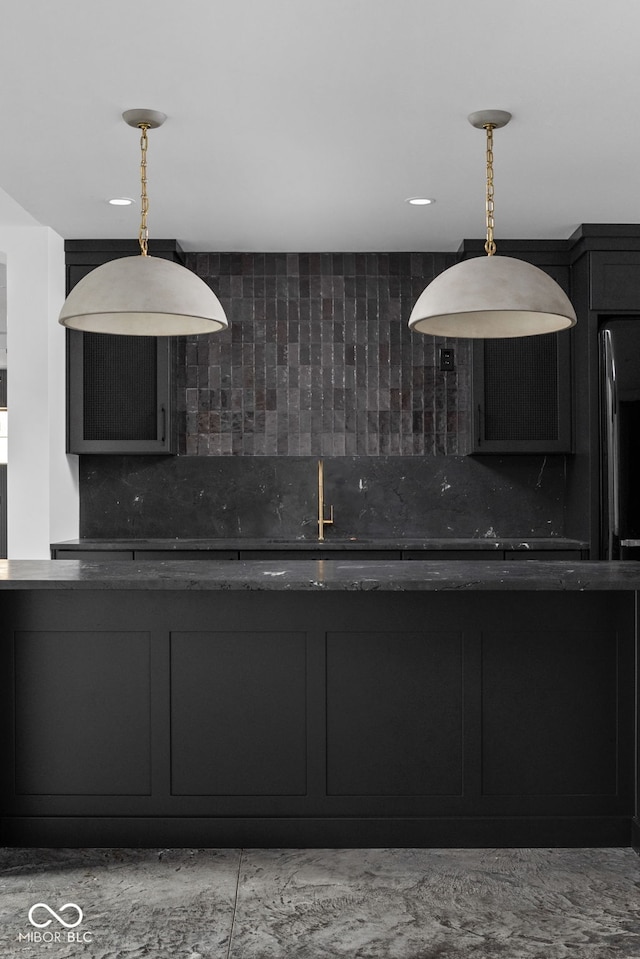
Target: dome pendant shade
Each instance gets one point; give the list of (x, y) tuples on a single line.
[(492, 297), (143, 296)]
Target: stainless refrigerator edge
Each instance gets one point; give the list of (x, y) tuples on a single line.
[(619, 362)]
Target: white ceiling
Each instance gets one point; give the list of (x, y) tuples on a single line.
[(304, 124)]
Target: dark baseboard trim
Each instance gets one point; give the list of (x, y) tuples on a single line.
[(134, 832), (635, 834)]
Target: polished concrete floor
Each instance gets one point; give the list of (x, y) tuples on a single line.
[(311, 904)]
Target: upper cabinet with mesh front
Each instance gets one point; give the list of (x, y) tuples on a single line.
[(521, 394), (120, 389)]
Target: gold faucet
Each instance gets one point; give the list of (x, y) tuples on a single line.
[(322, 522)]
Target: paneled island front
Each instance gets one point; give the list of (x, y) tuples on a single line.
[(318, 703)]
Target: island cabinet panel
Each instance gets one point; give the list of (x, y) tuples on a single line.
[(318, 717), (238, 713), (82, 725), (550, 712), (394, 713)]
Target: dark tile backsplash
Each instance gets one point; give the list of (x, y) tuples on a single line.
[(318, 360)]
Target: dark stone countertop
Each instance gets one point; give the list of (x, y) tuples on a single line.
[(320, 575), (487, 544)]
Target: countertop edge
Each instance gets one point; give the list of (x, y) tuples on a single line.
[(321, 575)]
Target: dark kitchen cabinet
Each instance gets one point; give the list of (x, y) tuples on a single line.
[(521, 397), (521, 394), (614, 280), (190, 555), (108, 550), (120, 389), (352, 555), (570, 555), (93, 555)]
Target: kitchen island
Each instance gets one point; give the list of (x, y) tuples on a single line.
[(318, 703)]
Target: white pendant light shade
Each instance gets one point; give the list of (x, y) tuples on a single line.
[(143, 296), (492, 297)]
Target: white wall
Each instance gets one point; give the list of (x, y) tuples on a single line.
[(42, 479)]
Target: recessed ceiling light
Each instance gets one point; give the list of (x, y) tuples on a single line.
[(419, 200), (121, 201)]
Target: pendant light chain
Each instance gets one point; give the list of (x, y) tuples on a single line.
[(144, 199), (489, 246)]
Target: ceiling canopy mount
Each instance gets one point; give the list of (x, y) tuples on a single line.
[(152, 119)]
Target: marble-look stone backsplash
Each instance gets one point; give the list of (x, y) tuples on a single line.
[(275, 497), (319, 360)]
